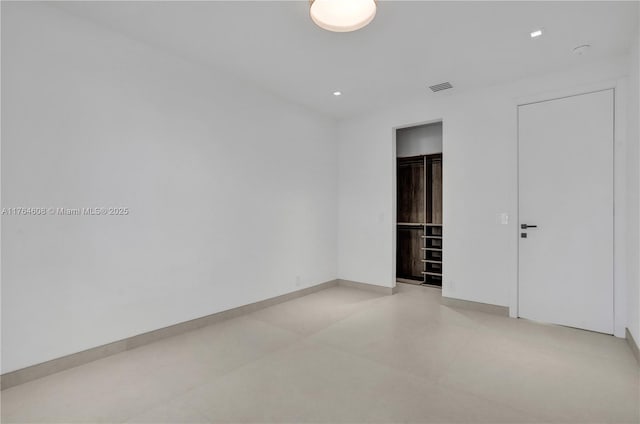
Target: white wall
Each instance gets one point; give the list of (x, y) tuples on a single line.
[(633, 190), (232, 191), (480, 182), (419, 140)]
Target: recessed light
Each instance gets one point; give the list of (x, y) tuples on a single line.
[(537, 33), (337, 93)]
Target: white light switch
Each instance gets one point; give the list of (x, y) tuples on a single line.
[(504, 218)]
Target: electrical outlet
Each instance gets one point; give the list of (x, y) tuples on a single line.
[(298, 281)]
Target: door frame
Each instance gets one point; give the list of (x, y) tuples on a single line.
[(394, 189), (619, 189)]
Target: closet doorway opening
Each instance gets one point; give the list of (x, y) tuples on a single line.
[(419, 230)]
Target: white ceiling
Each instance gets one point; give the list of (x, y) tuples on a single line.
[(409, 46)]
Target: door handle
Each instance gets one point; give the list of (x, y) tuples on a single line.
[(525, 226)]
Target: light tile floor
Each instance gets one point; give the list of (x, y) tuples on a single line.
[(347, 355)]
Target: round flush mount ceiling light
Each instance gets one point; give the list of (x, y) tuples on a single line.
[(342, 15)]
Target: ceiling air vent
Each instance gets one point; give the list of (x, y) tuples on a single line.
[(441, 86)]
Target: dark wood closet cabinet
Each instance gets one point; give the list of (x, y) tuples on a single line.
[(411, 198), (419, 220)]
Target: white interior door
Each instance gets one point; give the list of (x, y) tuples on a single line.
[(566, 190)]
